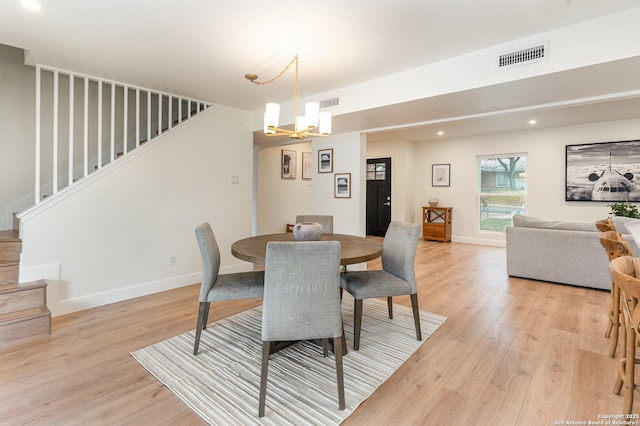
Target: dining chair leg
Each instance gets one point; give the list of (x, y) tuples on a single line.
[(337, 344), (626, 368), (266, 349), (619, 380), (614, 319), (202, 310), (390, 307), (357, 322), (206, 316), (607, 333), (629, 385), (416, 315), (621, 362), (343, 343), (325, 347)]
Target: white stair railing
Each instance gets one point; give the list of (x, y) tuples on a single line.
[(71, 106)]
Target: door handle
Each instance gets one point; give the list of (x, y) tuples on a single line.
[(388, 203)]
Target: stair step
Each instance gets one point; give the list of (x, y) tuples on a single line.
[(9, 235), (22, 315), (17, 297), (10, 246), (24, 324), (9, 272)]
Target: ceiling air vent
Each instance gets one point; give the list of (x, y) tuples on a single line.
[(329, 102), (524, 56)]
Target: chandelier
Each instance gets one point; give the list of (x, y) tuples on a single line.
[(303, 125)]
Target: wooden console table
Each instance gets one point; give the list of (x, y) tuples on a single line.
[(436, 223)]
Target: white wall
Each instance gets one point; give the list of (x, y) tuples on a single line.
[(112, 239), (17, 131), (279, 200), (545, 173), (349, 152)]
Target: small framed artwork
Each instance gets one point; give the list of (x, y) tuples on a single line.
[(325, 161), (342, 187), (306, 165), (288, 165), (440, 174)]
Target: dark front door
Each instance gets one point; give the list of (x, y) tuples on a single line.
[(378, 196)]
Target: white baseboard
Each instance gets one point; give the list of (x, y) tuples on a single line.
[(60, 306), (479, 241)]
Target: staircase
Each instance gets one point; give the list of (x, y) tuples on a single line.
[(23, 307), (127, 117)]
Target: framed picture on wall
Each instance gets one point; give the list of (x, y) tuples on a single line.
[(342, 187), (603, 171), (288, 164), (440, 174), (325, 161), (306, 165)]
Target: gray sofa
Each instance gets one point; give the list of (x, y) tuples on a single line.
[(563, 252)]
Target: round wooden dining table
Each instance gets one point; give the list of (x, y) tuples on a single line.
[(353, 249)]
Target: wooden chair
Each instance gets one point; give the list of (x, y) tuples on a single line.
[(605, 225), (325, 220), (396, 278), (301, 302), (216, 287), (614, 247), (625, 271)]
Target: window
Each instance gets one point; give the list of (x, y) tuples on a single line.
[(502, 190), (376, 171)]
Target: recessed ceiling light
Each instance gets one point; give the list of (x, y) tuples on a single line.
[(32, 5), (440, 133), (532, 122)]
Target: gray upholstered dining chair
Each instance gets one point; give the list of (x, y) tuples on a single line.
[(216, 287), (396, 278), (301, 302), (325, 220)]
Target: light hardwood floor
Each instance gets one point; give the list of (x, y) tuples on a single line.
[(513, 352)]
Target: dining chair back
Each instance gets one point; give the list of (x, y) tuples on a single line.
[(216, 287), (396, 278), (605, 225), (301, 301), (614, 247), (625, 273), (325, 220)]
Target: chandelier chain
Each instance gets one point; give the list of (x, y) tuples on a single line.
[(263, 83)]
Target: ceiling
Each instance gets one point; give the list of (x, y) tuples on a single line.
[(202, 49)]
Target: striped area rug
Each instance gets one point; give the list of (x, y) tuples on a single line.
[(222, 383)]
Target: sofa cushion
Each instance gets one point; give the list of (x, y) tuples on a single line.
[(533, 222)]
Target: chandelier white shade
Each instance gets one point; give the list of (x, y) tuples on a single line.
[(303, 125)]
